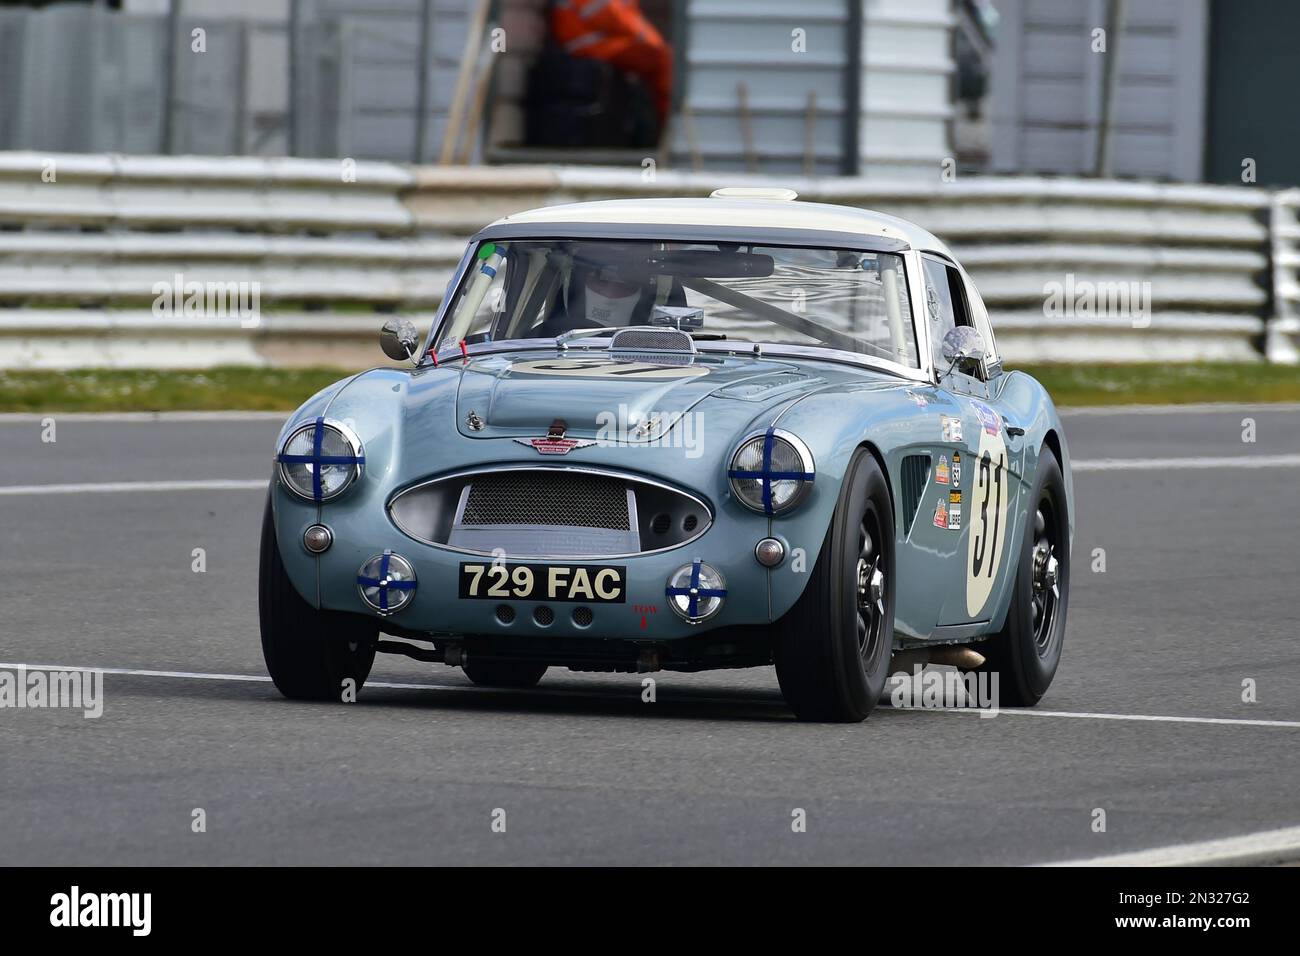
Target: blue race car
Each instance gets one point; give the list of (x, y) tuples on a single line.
[(679, 434)]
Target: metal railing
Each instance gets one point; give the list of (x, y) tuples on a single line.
[(88, 241)]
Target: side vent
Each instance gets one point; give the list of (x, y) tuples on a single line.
[(915, 474)]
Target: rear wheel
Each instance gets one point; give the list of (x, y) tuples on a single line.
[(489, 673), (310, 653), (832, 648), (1027, 651)]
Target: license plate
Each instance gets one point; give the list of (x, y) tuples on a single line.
[(499, 581)]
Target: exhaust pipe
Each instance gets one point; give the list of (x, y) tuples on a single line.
[(961, 656)]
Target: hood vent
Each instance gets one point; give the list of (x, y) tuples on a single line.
[(646, 339)]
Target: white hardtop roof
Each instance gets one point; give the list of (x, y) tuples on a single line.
[(743, 213)]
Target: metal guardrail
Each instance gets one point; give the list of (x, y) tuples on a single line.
[(328, 244), (1283, 341), (86, 240), (1204, 250)]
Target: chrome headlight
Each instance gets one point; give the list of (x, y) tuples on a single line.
[(387, 582), (321, 460), (696, 592), (771, 471)]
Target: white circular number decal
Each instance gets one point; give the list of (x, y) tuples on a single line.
[(988, 521), (605, 368)]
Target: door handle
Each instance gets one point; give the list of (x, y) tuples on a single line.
[(1013, 431)]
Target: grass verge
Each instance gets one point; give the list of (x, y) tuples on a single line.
[(230, 388), (1155, 384), (238, 388)]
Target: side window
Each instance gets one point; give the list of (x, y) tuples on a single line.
[(946, 304), (940, 312)]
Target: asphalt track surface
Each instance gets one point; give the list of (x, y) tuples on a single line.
[(1199, 594)]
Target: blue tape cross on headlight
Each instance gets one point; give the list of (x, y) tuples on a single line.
[(383, 583), (695, 592), (767, 475), (318, 460)]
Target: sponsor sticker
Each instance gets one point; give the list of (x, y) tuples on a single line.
[(941, 471), (921, 400), (954, 517), (940, 515), (950, 427), (987, 416), (954, 497), (956, 468)]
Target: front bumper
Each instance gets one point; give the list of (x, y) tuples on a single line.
[(362, 528)]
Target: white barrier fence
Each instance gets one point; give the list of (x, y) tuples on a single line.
[(98, 255)]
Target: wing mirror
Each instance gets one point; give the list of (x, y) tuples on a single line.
[(399, 340), (963, 349)]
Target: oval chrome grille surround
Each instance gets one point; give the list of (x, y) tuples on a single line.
[(545, 512)]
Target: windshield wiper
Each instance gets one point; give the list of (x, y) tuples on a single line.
[(578, 333)]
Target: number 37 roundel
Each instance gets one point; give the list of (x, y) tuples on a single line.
[(988, 521)]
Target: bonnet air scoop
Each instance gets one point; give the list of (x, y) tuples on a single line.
[(640, 342)]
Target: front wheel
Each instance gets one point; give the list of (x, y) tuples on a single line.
[(1027, 651), (832, 648), (310, 654)]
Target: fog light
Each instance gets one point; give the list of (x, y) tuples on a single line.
[(317, 539), (769, 552), (387, 582), (696, 591)]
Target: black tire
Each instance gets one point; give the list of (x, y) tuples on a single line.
[(827, 670), (309, 653), (489, 673), (1027, 651)]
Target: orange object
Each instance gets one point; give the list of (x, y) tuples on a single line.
[(615, 31)]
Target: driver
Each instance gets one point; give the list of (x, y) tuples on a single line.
[(598, 298), (608, 301)]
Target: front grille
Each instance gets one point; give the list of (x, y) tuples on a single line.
[(540, 498)]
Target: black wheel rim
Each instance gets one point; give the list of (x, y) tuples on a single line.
[(871, 589), (1046, 571)]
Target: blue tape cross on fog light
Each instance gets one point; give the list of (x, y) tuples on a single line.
[(695, 592), (383, 583), (767, 475), (317, 460)]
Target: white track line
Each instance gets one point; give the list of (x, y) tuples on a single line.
[(257, 678), (1267, 846), (116, 487), (189, 675), (1192, 408), (1154, 718), (386, 684), (253, 484), (1183, 464)]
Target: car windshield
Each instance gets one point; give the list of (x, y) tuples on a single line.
[(773, 295)]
